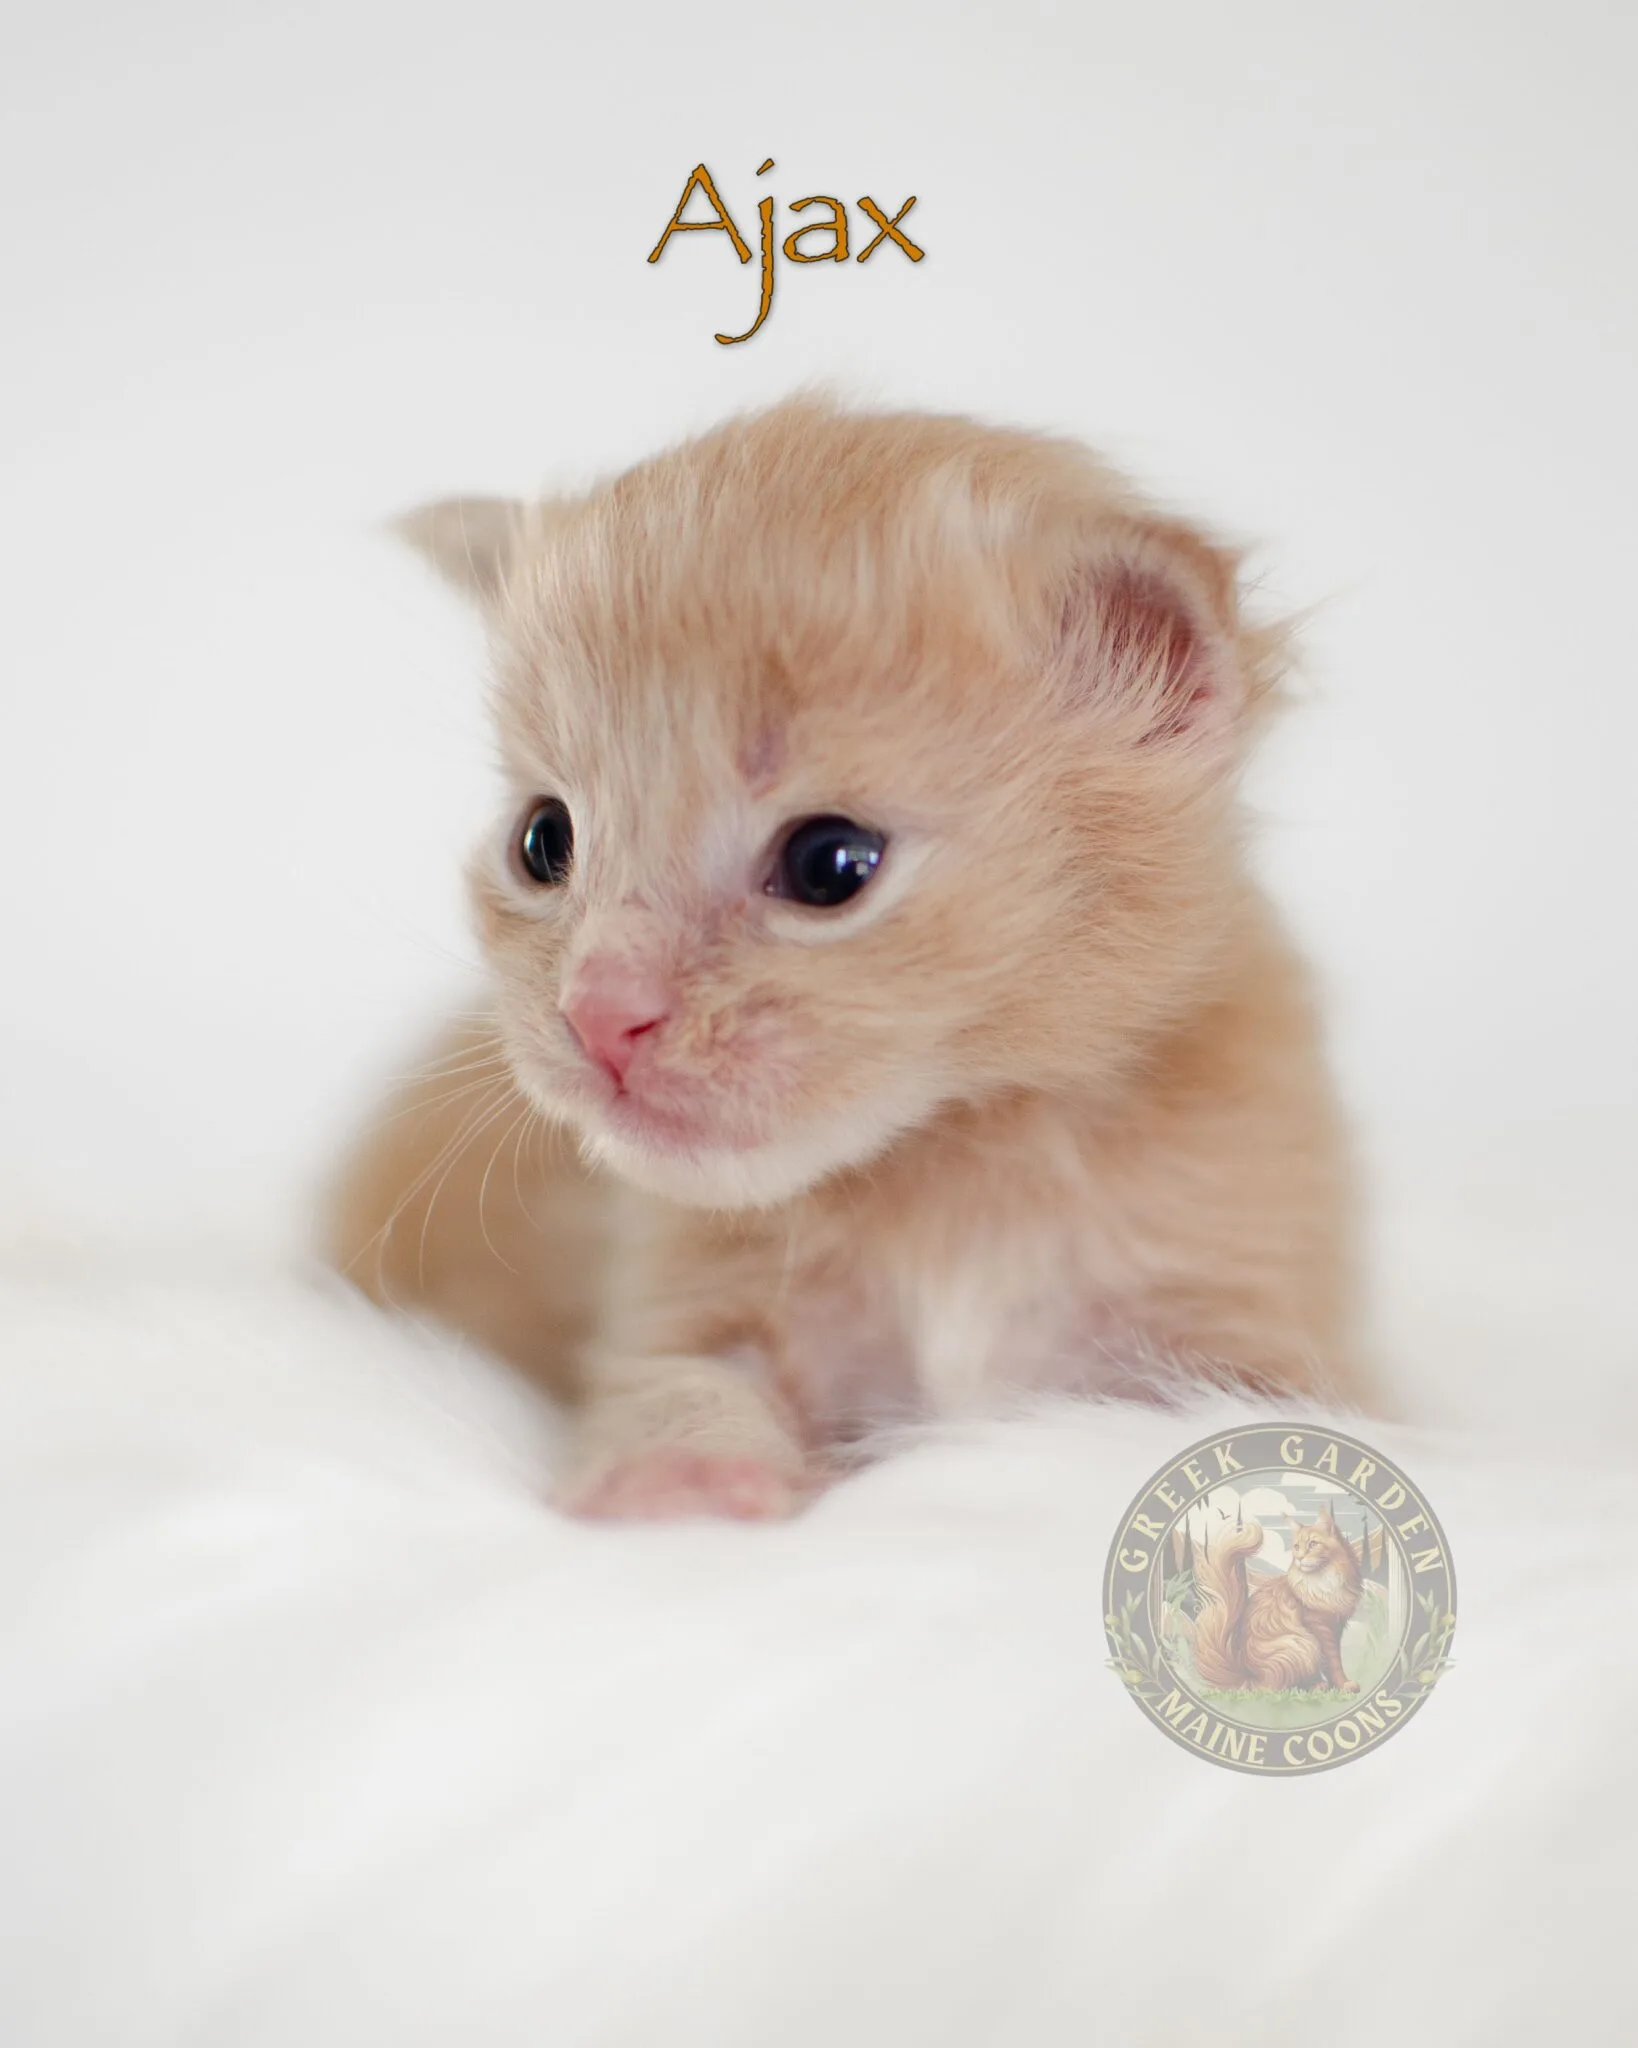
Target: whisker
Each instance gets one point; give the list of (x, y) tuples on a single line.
[(457, 1061), (426, 1103), (533, 1118), (497, 1110), (451, 1148), (514, 1128)]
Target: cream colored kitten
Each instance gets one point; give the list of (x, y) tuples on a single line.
[(868, 905)]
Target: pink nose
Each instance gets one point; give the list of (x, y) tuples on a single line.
[(610, 1007)]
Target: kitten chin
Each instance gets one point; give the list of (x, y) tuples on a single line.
[(761, 1176)]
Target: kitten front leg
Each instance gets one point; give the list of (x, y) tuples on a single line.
[(1329, 1637), (662, 1437), (680, 1410)]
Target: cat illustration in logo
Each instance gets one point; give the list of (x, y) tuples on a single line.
[(1287, 1634)]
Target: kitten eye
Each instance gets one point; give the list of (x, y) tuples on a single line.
[(825, 862), (545, 846)]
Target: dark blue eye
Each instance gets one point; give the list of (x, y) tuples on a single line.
[(546, 844), (825, 862)]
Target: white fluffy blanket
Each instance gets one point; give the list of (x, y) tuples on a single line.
[(317, 1728)]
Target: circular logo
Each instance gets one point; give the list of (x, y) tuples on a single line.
[(1280, 1599)]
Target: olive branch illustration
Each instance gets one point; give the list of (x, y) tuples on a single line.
[(1139, 1665), (1428, 1658)]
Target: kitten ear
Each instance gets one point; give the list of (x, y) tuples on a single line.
[(471, 542), (1148, 631)]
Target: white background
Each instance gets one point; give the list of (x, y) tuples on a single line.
[(1356, 284)]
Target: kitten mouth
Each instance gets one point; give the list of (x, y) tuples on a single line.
[(659, 1126), (648, 1119), (656, 1116)]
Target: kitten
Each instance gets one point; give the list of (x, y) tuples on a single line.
[(868, 906), (1288, 1633)]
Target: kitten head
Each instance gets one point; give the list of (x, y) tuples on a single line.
[(1322, 1557), (858, 766)]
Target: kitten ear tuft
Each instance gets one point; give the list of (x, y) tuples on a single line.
[(471, 542), (1148, 631)]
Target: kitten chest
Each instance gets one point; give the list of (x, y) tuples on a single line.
[(938, 1322)]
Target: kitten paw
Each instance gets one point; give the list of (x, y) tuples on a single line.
[(668, 1483)]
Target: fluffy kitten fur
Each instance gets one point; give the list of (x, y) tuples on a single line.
[(1042, 1105)]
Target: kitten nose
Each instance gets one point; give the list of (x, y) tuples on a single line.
[(609, 1007)]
